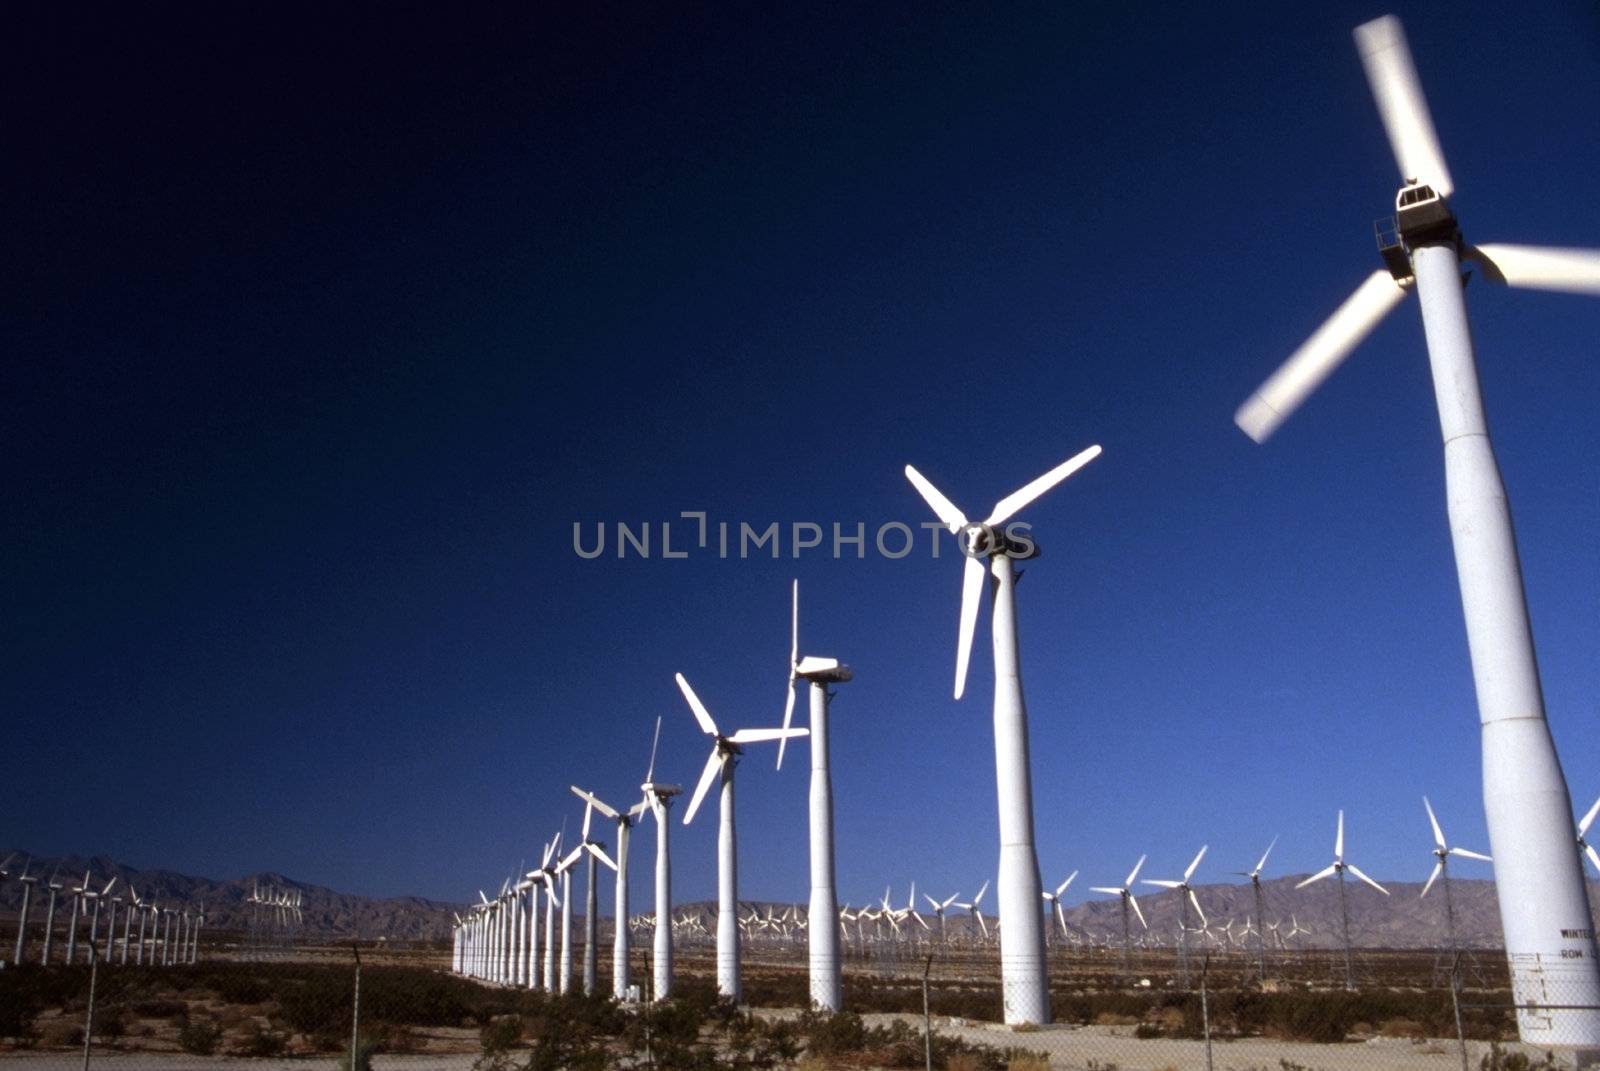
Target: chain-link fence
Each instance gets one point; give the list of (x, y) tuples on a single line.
[(939, 1005)]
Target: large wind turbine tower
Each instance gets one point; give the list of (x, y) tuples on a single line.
[(1544, 908), (991, 549), (827, 989), (658, 796)]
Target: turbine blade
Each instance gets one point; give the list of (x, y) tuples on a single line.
[(757, 736), (794, 660), (1164, 883), (650, 774), (1357, 872), (971, 597), (1318, 876), (600, 854), (707, 775), (1063, 886), (1134, 873), (1588, 819), (1594, 856), (981, 891), (1195, 900), (1104, 889), (1438, 834), (1438, 868), (1398, 91), (1531, 267), (594, 801), (1264, 855), (1338, 840), (701, 714), (1135, 905), (1469, 854), (1008, 506), (1295, 380), (1188, 873), (942, 507)]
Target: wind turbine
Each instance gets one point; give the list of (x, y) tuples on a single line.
[(1337, 868), (596, 853), (619, 943), (1261, 919), (28, 882), (940, 907), (1186, 897), (1124, 892), (1441, 869), (50, 914), (972, 910), (78, 893), (1022, 961), (1054, 898), (94, 921), (1544, 909), (827, 990), (548, 873), (725, 751), (658, 797)]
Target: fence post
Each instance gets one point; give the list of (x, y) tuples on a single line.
[(1205, 1007), (355, 1015), (1455, 1005), (927, 1017)]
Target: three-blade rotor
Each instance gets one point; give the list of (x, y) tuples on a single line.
[(1392, 77), (723, 747), (983, 541)]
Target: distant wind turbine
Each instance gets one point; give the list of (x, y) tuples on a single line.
[(1337, 869), (1124, 892)]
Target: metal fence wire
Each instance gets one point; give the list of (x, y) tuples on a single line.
[(934, 1006)]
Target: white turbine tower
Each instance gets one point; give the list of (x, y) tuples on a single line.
[(596, 852), (1124, 892), (725, 751), (619, 939), (1337, 868), (827, 990), (28, 882), (1441, 869), (658, 797), (1186, 897), (1022, 960), (1544, 909)]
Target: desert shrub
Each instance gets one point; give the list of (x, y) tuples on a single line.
[(242, 989), (318, 1003), (827, 1034), (110, 1022), (199, 1037), (160, 1009), (262, 1042), (17, 1011), (501, 1033)]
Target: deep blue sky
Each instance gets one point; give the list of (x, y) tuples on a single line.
[(322, 330)]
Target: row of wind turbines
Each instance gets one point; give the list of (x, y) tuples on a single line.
[(1544, 908), (155, 942)]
